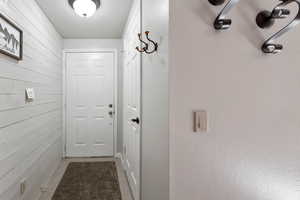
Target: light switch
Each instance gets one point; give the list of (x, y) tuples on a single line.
[(30, 95), (200, 121)]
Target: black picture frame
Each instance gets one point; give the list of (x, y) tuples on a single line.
[(15, 42)]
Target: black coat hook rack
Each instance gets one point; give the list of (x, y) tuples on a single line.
[(145, 48), (221, 23), (266, 19)]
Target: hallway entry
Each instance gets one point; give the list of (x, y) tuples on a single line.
[(90, 104)]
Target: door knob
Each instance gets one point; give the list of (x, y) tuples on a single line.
[(111, 113), (137, 120)]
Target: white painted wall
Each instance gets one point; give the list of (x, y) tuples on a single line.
[(30, 133), (252, 148), (108, 44), (155, 105)]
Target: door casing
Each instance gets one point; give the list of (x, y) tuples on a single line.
[(65, 52), (130, 40)]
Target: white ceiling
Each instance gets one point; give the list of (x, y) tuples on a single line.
[(108, 21)]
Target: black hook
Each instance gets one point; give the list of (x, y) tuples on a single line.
[(146, 47), (155, 44), (221, 23), (266, 19)]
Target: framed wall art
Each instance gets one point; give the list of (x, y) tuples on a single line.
[(11, 39)]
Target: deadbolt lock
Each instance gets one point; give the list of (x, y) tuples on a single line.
[(111, 113)]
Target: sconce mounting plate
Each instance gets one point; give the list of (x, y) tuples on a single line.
[(264, 19)]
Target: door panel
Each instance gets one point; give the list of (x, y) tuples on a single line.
[(132, 94), (90, 91)]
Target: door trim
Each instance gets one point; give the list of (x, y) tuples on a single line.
[(115, 128)]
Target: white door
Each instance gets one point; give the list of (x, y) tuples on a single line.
[(90, 99), (132, 95)]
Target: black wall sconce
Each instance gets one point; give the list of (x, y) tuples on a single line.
[(221, 23), (266, 19), (146, 45)]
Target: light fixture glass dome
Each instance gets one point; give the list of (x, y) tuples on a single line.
[(84, 8)]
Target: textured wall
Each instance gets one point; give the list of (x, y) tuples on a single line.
[(252, 148), (30, 133)]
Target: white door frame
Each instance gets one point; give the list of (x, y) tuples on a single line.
[(115, 128)]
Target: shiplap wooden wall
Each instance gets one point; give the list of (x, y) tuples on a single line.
[(30, 133)]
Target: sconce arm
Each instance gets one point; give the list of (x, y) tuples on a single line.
[(269, 46), (221, 22)]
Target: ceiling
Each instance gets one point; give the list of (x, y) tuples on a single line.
[(108, 22)]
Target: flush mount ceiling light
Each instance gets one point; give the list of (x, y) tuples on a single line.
[(85, 8)]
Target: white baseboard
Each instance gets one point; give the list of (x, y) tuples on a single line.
[(120, 156)]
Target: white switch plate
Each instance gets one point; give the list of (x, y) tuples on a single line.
[(30, 94), (200, 121)]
